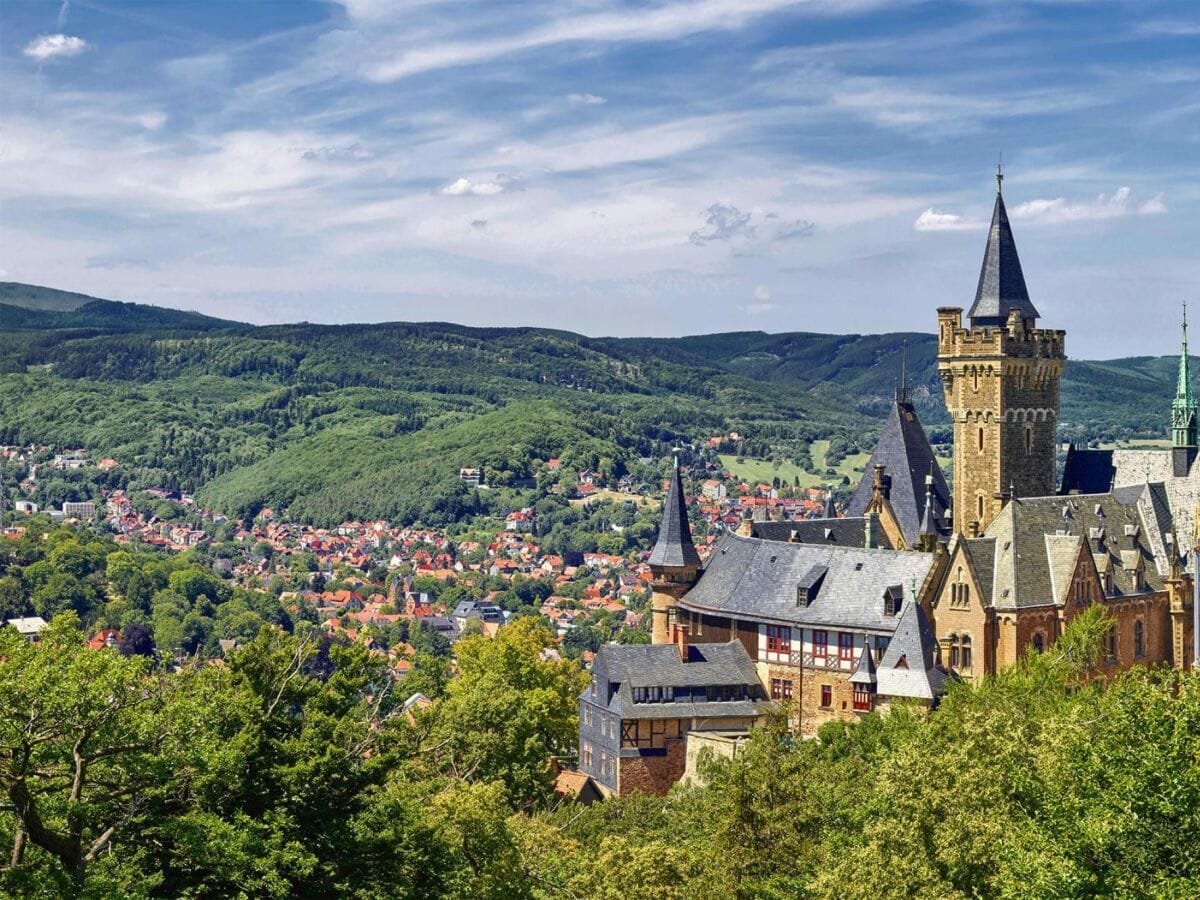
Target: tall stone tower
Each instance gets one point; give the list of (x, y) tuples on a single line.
[(674, 562), (1001, 376), (1183, 415)]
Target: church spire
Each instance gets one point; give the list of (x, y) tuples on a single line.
[(674, 546), (1001, 281), (1183, 410)]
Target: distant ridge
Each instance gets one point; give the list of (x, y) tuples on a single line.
[(26, 307), (32, 296)]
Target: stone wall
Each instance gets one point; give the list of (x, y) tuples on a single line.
[(652, 774)]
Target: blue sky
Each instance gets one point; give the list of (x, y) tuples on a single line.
[(660, 168)]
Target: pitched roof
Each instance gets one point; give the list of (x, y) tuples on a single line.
[(903, 447), (659, 665), (848, 531), (1087, 471), (1026, 563), (757, 579), (909, 666), (674, 546), (1001, 282)]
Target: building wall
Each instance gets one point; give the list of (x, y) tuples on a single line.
[(652, 773), (959, 609)]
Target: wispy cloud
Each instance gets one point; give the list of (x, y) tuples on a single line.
[(725, 222), (586, 99), (665, 22), (54, 46)]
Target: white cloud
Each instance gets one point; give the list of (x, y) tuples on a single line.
[(762, 293), (938, 221), (1059, 210), (54, 46), (586, 99), (463, 187)]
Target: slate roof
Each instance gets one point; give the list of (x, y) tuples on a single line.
[(659, 665), (756, 579), (903, 447), (1026, 563), (1087, 471), (1001, 282), (674, 546), (982, 552), (848, 531), (864, 672), (909, 666)]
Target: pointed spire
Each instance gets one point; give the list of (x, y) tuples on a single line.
[(1001, 281), (674, 546), (864, 672), (929, 524), (830, 510), (902, 389), (1183, 407)]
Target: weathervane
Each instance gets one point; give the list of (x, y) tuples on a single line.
[(1000, 174)]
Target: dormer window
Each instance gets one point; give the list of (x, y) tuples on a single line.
[(810, 584), (893, 599)]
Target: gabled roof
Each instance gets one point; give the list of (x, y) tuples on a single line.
[(674, 546), (1001, 282), (1133, 520), (903, 447), (909, 666)]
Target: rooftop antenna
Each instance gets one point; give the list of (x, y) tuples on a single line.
[(1000, 174)]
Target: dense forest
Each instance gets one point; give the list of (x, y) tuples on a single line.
[(324, 423), (294, 768)]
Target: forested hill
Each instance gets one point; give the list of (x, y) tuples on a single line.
[(328, 422)]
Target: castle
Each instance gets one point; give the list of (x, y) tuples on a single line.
[(836, 617)]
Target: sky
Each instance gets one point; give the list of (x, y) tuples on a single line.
[(611, 168)]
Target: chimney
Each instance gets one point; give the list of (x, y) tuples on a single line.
[(681, 641), (870, 541)]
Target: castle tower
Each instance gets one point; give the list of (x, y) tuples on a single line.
[(1001, 376), (674, 562), (1183, 415)]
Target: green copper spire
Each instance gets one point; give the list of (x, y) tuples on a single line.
[(1183, 407)]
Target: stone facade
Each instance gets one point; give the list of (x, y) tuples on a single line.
[(1002, 393)]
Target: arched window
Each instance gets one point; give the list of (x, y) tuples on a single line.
[(980, 498), (1110, 645), (981, 439), (965, 653), (1028, 439), (960, 651), (1039, 642), (975, 378), (1139, 639)]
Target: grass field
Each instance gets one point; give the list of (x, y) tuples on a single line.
[(754, 471), (618, 497)]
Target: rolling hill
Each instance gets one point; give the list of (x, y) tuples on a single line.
[(329, 422)]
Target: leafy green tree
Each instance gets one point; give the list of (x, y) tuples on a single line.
[(509, 711)]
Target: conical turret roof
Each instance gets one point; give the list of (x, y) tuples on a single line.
[(674, 546), (1001, 282)]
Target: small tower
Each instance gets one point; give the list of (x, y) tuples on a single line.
[(674, 562), (930, 530), (1001, 378), (1183, 415)]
